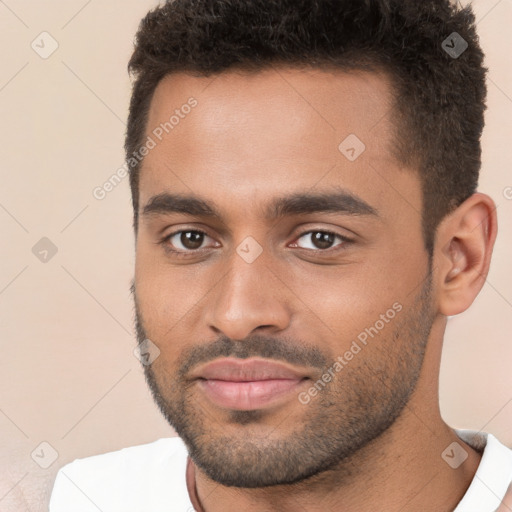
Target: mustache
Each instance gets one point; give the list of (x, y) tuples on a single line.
[(283, 349), (279, 349)]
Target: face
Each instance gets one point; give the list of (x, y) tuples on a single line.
[(268, 233)]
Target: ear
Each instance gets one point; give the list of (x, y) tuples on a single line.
[(462, 254)]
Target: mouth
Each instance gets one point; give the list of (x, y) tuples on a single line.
[(247, 396), (248, 384)]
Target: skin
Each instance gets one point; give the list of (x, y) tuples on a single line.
[(252, 139)]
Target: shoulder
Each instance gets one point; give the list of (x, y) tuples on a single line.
[(493, 477), (130, 459), (140, 477)]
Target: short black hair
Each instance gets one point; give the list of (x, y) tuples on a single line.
[(438, 83)]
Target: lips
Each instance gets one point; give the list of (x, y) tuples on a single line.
[(248, 384), (247, 370)]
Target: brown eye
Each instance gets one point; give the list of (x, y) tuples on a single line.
[(186, 240), (191, 239), (320, 240)]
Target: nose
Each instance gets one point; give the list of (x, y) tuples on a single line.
[(247, 298)]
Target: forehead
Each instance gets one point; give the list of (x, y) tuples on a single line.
[(316, 105), (251, 135)]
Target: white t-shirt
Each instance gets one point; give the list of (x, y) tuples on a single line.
[(151, 478)]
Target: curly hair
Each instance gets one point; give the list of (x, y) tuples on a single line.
[(439, 97)]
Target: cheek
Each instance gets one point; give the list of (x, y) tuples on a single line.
[(155, 279), (345, 293), (168, 296), (156, 292), (360, 300)]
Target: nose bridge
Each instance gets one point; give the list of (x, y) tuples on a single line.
[(247, 297)]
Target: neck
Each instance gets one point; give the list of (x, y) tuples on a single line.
[(396, 472)]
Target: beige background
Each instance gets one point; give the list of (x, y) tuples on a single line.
[(68, 374)]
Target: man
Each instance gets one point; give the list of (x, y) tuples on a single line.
[(304, 179)]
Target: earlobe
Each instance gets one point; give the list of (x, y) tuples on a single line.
[(464, 244)]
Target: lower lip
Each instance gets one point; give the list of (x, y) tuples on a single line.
[(246, 396)]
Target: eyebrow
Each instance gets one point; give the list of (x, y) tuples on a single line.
[(341, 202)]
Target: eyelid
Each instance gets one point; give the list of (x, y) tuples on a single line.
[(179, 252), (345, 240), (164, 241)]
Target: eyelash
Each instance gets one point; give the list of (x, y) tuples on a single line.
[(183, 254)]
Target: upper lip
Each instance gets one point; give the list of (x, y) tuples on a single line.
[(246, 370)]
